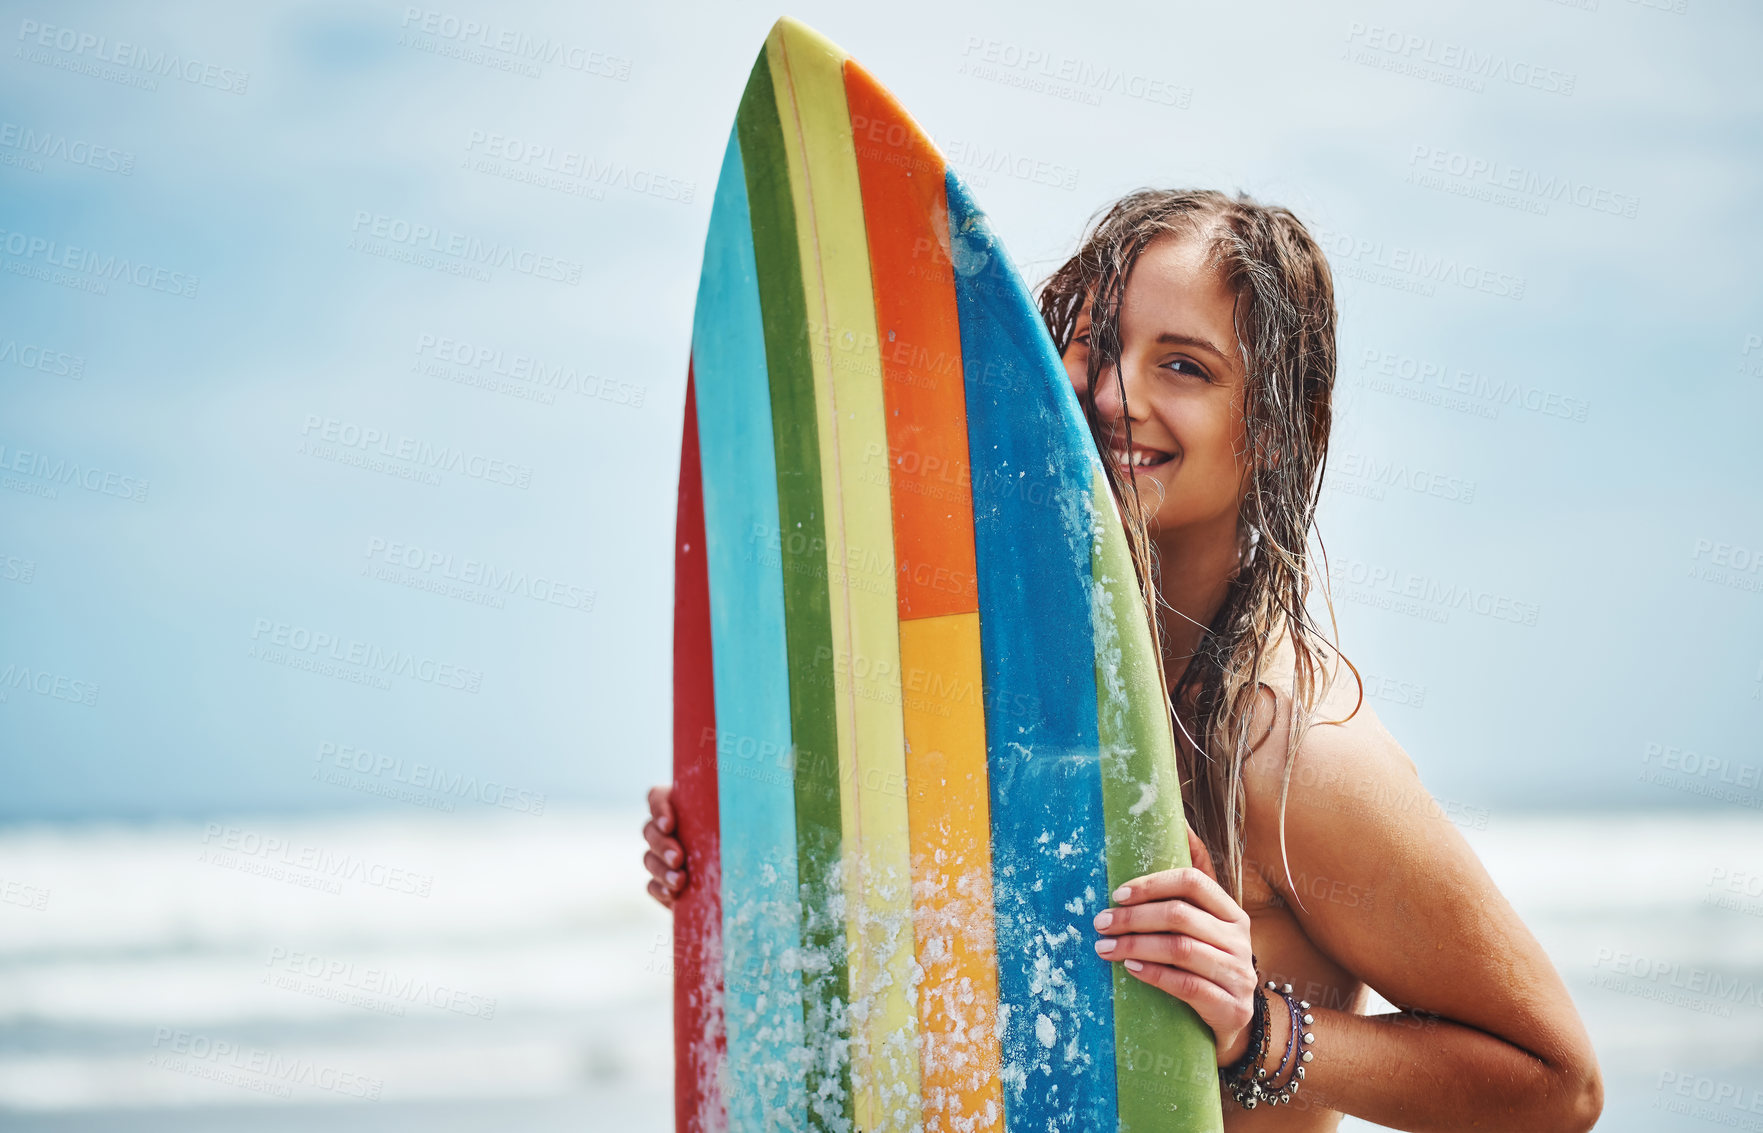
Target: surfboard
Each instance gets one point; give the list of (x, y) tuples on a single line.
[(919, 735)]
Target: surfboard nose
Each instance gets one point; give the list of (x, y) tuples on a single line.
[(797, 38)]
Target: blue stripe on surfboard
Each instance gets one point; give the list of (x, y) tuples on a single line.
[(1031, 477), (761, 918)]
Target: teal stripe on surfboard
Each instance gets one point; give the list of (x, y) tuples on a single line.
[(760, 901), (801, 548)]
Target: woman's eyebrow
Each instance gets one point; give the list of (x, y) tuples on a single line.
[(1170, 338)]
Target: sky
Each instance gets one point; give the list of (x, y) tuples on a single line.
[(345, 339)]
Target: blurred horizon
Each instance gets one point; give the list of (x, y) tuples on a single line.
[(1481, 816)]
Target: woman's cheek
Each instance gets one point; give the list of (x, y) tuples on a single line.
[(1077, 373)]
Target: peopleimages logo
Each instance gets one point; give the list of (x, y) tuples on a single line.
[(327, 434), (1368, 582), (50, 472), (428, 777), (24, 678), (1379, 473), (1712, 768), (1690, 986), (1500, 175), (254, 1068), (516, 45), (1065, 76), (39, 144), (43, 359), (984, 159), (1424, 267), (444, 567), (88, 49), (576, 165), (1483, 394), (226, 846), (1418, 51), (518, 366), (309, 972), (1730, 555), (40, 251), (1727, 564), (466, 249), (276, 641)]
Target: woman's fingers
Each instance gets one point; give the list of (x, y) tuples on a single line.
[(673, 879), (1182, 917), (666, 858), (661, 807), (1219, 1009), (1188, 884), (1212, 964), (670, 850)]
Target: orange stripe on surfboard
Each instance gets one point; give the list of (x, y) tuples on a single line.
[(943, 706), (919, 329)]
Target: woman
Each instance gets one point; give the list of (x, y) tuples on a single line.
[(1199, 333)]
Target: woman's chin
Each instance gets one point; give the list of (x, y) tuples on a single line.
[(1154, 477), (1151, 483)]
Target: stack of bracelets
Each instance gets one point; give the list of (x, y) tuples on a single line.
[(1246, 1079)]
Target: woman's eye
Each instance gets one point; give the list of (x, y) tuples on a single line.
[(1192, 369), (1081, 339)]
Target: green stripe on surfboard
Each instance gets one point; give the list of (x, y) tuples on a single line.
[(1157, 1089), (808, 630)]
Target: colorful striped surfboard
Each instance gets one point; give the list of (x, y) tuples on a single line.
[(919, 733)]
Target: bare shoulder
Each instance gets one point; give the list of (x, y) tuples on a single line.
[(1343, 753), (1340, 798)]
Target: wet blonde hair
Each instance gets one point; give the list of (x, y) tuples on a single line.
[(1285, 322)]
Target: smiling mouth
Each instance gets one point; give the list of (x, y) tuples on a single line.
[(1139, 456)]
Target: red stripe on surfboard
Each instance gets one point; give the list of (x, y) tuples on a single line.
[(919, 330), (699, 1038)]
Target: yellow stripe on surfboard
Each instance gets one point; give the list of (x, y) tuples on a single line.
[(807, 72), (945, 717)]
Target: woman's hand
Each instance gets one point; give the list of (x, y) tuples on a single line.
[(666, 858), (1180, 932)]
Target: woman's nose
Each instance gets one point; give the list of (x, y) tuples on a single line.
[(1111, 388)]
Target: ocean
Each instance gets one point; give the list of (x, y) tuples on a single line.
[(445, 972)]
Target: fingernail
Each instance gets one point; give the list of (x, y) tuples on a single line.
[(666, 825), (1123, 893), (1134, 966), (672, 857), (674, 877), (1104, 919), (1105, 946)]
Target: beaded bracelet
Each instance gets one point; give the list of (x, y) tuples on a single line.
[(1301, 1018), (1249, 1086), (1241, 1078), (1292, 1030)]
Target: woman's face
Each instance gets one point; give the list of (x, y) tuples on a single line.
[(1181, 364)]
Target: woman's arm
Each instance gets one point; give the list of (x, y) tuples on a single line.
[(1487, 1036)]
